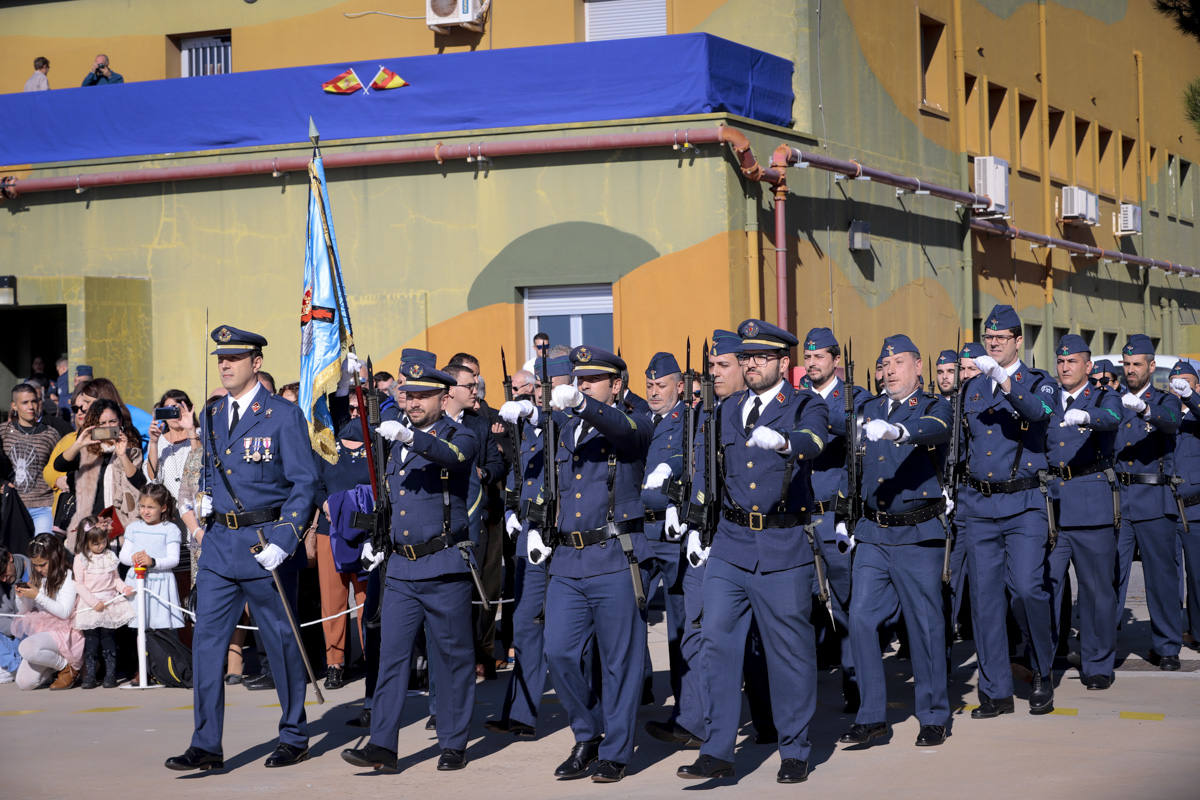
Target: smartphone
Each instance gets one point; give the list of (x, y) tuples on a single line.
[(23, 585), (105, 433), (166, 412)]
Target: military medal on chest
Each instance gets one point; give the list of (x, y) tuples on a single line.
[(248, 453), (266, 448)]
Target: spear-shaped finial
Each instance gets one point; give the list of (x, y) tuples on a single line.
[(313, 134)]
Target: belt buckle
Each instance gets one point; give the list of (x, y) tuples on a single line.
[(879, 520), (756, 521), (985, 488), (231, 521), (576, 539), (409, 552), (1067, 470)]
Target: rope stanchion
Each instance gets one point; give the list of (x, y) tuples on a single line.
[(143, 671)]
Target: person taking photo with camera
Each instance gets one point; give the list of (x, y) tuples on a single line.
[(101, 73)]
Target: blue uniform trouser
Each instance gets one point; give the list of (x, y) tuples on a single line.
[(600, 606), (1157, 542), (444, 604), (837, 574), (1093, 551), (218, 608), (668, 557), (781, 602), (1009, 552), (1191, 560), (528, 680), (958, 577), (691, 705), (888, 579)]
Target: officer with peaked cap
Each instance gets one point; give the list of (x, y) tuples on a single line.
[(428, 475), (1080, 455), (596, 568), (259, 471), (1007, 408), (898, 563), (761, 561), (1187, 466), (1145, 464)]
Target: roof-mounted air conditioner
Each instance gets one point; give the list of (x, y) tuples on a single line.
[(444, 15)]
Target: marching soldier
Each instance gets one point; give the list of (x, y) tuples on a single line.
[(1007, 408), (1079, 452), (429, 477), (1187, 467), (900, 541), (1145, 464), (1104, 375), (259, 470), (595, 571), (760, 559)]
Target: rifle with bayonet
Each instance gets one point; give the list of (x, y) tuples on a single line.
[(542, 514), (512, 497), (680, 490), (705, 505), (852, 507), (953, 464)]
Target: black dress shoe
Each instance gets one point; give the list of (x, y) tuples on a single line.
[(517, 729), (335, 677), (195, 758), (233, 679), (608, 771), (579, 763), (672, 733), (373, 756), (1098, 682), (992, 707), (931, 735), (285, 755), (363, 720), (1169, 663), (706, 767), (792, 770), (259, 682), (451, 760), (431, 723), (1041, 699), (864, 733)]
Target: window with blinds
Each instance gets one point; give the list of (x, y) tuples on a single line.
[(571, 315), (205, 55), (624, 19)]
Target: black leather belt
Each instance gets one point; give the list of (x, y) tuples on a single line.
[(1190, 501), (825, 506), (988, 488), (1143, 478), (512, 499), (582, 539), (435, 545), (1069, 472), (757, 522), (652, 515), (245, 519), (922, 514)]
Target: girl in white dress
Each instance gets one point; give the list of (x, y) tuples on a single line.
[(153, 542), (100, 606)]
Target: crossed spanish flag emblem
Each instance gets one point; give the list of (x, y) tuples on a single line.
[(348, 82)]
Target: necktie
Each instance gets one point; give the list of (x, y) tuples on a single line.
[(584, 429), (752, 417), (234, 421), (657, 419), (891, 407)]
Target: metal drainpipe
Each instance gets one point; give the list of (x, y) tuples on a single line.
[(967, 298), (781, 270), (753, 256)]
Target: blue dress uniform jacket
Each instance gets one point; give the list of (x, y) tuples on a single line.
[(829, 468), (1088, 501), (754, 479), (414, 484), (583, 496), (1146, 444), (666, 447), (1187, 452)]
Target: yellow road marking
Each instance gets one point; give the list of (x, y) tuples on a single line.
[(104, 709), (181, 708), (1142, 715), (968, 708), (21, 713), (1066, 712)]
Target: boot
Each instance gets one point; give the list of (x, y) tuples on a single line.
[(110, 668), (65, 678), (90, 666)]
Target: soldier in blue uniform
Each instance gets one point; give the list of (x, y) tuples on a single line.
[(1007, 408), (822, 357), (1187, 467), (958, 552), (428, 476), (1080, 455), (967, 368), (944, 373), (1145, 464), (900, 546), (1104, 375), (599, 549), (528, 681), (761, 561), (259, 470)]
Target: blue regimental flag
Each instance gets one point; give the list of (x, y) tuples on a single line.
[(325, 332)]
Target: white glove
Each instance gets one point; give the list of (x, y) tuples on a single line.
[(845, 542), (657, 477), (370, 558), (512, 524), (949, 503), (566, 396), (270, 557), (767, 439), (350, 368), (395, 431), (535, 549), (881, 430), (1181, 387), (1075, 416), (671, 526), (513, 410), (988, 366), (203, 506), (1133, 402), (696, 554)]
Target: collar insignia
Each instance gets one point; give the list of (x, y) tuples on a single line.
[(912, 402), (780, 397), (674, 415), (255, 407), (1017, 376), (837, 393), (268, 413)]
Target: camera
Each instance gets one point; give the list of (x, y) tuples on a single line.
[(166, 412), (105, 433)]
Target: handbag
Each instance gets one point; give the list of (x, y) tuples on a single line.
[(64, 510)]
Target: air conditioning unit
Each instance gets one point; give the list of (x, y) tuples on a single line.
[(1129, 221), (991, 179), (441, 16), (1080, 205)]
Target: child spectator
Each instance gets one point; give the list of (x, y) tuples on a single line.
[(152, 541), (53, 649), (14, 569), (102, 606)]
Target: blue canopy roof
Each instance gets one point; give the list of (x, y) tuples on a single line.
[(659, 76)]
